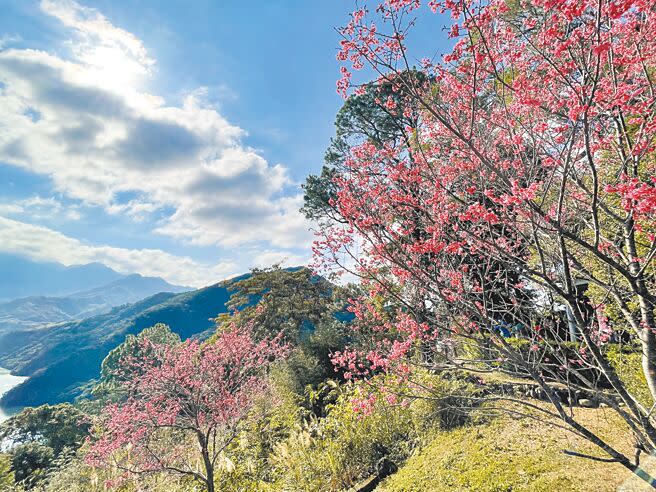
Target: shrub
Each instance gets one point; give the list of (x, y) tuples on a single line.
[(365, 429), (335, 452), (6, 474), (627, 362), (30, 462)]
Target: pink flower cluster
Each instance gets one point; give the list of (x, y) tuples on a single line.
[(191, 388), (520, 136)]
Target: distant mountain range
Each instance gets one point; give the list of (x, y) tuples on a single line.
[(30, 312), (22, 277), (61, 359)]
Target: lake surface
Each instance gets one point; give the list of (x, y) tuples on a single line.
[(7, 381)]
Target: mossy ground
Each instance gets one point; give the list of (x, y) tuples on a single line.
[(510, 453)]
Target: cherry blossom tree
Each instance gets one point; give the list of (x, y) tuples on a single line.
[(183, 393), (529, 168)]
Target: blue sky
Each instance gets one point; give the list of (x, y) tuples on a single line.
[(166, 138)]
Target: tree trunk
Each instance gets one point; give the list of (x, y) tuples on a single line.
[(642, 474), (649, 360), (209, 472), (647, 338), (209, 466)]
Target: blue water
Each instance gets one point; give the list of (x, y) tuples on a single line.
[(7, 381)]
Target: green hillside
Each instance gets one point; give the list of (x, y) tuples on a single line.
[(36, 311), (61, 359), (511, 453)]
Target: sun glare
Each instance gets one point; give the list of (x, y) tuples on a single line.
[(113, 68)]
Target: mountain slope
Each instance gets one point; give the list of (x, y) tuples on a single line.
[(61, 359), (22, 277), (32, 311)]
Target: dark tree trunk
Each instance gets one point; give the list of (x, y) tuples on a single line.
[(209, 466)]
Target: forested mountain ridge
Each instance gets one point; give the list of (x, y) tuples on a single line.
[(33, 311), (62, 358)]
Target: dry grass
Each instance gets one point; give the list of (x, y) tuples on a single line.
[(510, 453)]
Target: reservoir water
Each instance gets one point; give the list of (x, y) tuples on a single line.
[(7, 381)]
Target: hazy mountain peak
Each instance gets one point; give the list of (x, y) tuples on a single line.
[(33, 311), (22, 277)]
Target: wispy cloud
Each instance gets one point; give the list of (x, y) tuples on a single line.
[(43, 244), (37, 207), (83, 121), (8, 39)]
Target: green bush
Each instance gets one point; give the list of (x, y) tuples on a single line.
[(627, 362), (245, 463), (30, 462), (6, 474), (337, 451), (624, 358), (74, 475)]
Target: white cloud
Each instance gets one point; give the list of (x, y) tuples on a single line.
[(83, 122), (138, 210), (10, 209), (7, 39), (37, 207), (110, 54), (44, 244)]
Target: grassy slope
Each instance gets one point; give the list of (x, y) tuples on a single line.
[(517, 454)]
